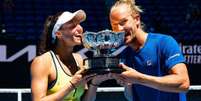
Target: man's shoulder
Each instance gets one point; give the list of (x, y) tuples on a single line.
[(161, 37)]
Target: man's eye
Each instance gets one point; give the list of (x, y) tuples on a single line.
[(123, 22)]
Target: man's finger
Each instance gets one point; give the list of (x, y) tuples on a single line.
[(121, 65)]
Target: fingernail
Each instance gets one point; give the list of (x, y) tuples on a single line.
[(121, 63)]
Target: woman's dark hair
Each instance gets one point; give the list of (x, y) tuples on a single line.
[(45, 42)]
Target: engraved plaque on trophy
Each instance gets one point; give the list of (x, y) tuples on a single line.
[(103, 44)]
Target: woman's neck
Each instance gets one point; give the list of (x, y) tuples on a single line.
[(67, 58), (64, 53)]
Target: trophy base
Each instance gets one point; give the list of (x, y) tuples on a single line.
[(102, 71), (103, 65)]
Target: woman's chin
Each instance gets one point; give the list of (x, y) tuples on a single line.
[(78, 42)]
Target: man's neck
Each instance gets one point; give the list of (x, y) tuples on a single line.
[(139, 41)]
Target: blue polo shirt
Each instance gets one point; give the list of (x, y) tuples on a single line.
[(159, 54)]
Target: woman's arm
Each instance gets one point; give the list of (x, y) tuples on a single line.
[(40, 71), (90, 94)]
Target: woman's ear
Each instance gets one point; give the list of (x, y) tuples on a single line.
[(58, 34)]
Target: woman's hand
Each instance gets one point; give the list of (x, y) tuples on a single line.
[(79, 79), (98, 79)]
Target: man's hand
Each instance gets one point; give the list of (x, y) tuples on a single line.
[(128, 77)]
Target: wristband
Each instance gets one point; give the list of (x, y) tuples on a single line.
[(72, 84)]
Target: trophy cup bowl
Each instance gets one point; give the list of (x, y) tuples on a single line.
[(103, 44)]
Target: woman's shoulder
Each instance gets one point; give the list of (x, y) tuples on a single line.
[(43, 57), (41, 62)]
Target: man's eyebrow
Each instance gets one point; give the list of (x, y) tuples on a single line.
[(122, 20)]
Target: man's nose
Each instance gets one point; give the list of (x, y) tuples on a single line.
[(120, 28)]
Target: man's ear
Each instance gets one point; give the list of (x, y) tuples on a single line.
[(137, 18)]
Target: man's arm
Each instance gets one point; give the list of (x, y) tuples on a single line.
[(176, 81)]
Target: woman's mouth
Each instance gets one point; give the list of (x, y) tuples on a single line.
[(78, 36)]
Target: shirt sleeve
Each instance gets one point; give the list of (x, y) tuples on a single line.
[(171, 52)]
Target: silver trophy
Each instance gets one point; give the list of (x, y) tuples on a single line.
[(103, 44)]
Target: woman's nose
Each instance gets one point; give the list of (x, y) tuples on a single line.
[(79, 29)]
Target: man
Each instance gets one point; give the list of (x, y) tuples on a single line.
[(154, 63)]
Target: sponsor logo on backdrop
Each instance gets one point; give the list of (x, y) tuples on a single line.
[(30, 50), (192, 53)]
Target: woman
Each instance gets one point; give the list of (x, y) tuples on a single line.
[(56, 72)]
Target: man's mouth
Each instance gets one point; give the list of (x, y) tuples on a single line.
[(127, 34)]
